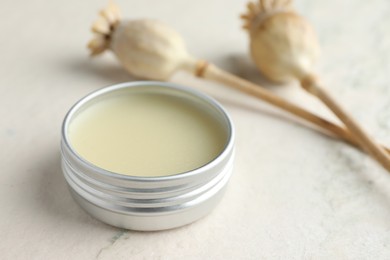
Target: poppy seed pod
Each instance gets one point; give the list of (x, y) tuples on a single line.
[(148, 49), (283, 45)]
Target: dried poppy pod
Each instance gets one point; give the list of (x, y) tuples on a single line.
[(149, 49), (146, 48), (283, 45), (284, 48)]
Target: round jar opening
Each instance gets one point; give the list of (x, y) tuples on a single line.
[(147, 130)]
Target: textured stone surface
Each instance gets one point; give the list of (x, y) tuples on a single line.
[(295, 194)]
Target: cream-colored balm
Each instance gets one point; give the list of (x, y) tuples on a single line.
[(147, 134)]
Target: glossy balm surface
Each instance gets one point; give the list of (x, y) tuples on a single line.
[(146, 134)]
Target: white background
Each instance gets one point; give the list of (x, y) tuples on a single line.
[(295, 193)]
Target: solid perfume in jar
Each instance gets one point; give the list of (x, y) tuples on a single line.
[(147, 155)]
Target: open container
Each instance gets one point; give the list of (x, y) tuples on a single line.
[(148, 203)]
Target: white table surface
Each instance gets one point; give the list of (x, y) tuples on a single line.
[(295, 193)]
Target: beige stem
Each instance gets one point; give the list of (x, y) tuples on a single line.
[(311, 85), (205, 70)]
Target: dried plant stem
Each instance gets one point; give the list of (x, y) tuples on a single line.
[(149, 49), (209, 71), (311, 85)]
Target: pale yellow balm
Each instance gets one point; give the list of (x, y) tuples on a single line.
[(147, 134)]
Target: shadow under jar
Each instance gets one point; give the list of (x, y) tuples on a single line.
[(147, 155)]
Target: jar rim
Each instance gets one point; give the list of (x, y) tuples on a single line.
[(111, 88)]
